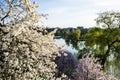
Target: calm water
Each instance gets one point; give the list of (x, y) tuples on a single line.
[(112, 66), (61, 42)]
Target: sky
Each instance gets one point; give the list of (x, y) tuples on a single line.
[(73, 13)]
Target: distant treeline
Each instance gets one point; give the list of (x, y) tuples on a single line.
[(69, 32)]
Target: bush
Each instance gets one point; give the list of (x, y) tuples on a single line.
[(25, 54), (90, 69)]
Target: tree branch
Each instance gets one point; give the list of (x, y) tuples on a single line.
[(5, 17)]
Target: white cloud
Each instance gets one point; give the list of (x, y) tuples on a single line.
[(57, 10), (73, 19), (107, 2), (74, 13)]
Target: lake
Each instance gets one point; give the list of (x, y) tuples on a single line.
[(112, 65), (61, 42)]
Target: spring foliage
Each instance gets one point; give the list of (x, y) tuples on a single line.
[(25, 54)]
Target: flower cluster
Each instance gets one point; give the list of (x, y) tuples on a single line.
[(25, 54), (90, 69)]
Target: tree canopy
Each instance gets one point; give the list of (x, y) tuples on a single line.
[(106, 37)]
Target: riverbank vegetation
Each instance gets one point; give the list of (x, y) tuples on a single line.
[(102, 41)]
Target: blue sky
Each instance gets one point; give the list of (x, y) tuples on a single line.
[(73, 13)]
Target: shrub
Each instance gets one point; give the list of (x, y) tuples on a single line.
[(25, 54), (90, 69)]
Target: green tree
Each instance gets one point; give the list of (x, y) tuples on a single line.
[(67, 35), (92, 36), (107, 39), (75, 35), (72, 37)]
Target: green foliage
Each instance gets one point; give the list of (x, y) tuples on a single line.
[(105, 40), (102, 38), (92, 35), (73, 35), (67, 34), (81, 52)]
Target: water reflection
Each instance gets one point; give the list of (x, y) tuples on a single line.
[(112, 65), (69, 47)]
